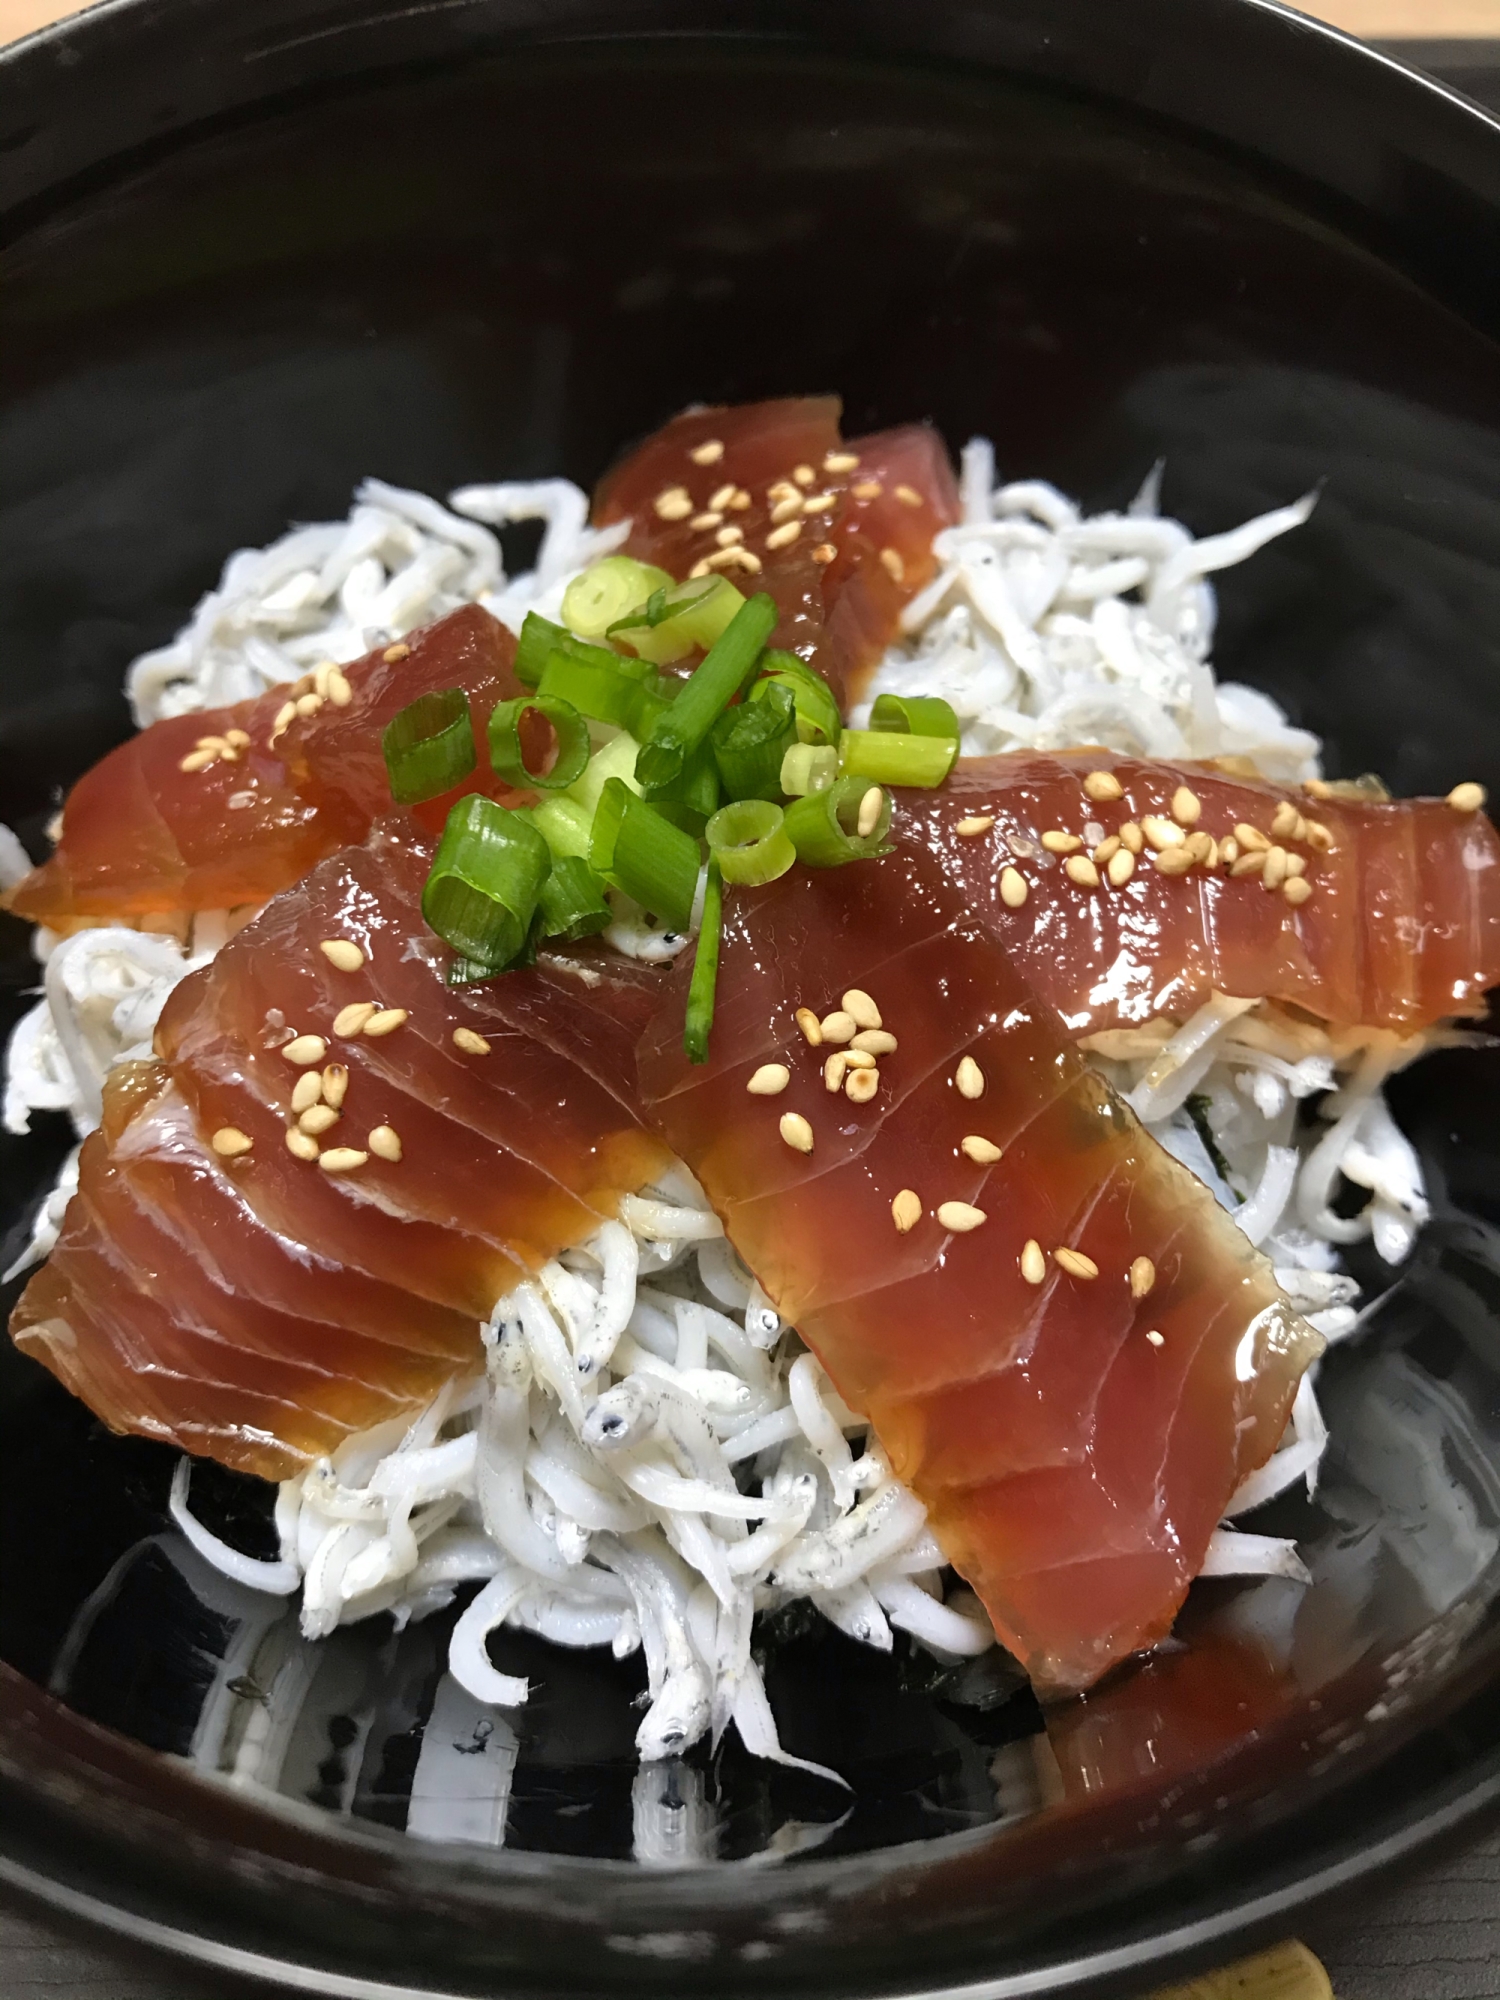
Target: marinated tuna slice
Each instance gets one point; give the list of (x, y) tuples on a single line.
[(208, 811), (839, 534), (1066, 1348), (1362, 912)]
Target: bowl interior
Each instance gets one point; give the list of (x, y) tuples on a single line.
[(514, 265)]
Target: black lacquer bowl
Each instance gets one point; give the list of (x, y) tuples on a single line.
[(253, 253)]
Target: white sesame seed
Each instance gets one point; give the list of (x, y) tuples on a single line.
[(342, 955), (1131, 838), (1104, 851), (673, 503), (1013, 890), (1173, 861), (1081, 870), (735, 558), (340, 692), (1296, 864), (1033, 1262), (1103, 787), (1249, 864), (1296, 890), (341, 1159), (960, 1216), (807, 1021), (1120, 868), (769, 1080), (1229, 850), (838, 1026), (1142, 1277), (708, 453), (1274, 873), (308, 1091), (783, 489), (796, 1131), (309, 704), (722, 496), (1467, 798), (384, 1022), (874, 1042), (1161, 833), (894, 567), (1075, 1263), (305, 1049), (335, 1084), (866, 489), (977, 823), (318, 1118), (1203, 848), (384, 1143), (1251, 839), (229, 1142), (784, 536), (1187, 810), (302, 1144), (908, 496), (860, 1085), (1286, 821), (1317, 835), (286, 715), (840, 461), (400, 651), (1057, 842), (320, 677), (786, 509), (727, 537), (803, 475), (237, 739), (969, 1077), (701, 523), (859, 1004), (835, 1069), (197, 760), (820, 503), (906, 1210), (868, 817), (472, 1043), (1155, 1338), (217, 744), (983, 1152), (351, 1020)]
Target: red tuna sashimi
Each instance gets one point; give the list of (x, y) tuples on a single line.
[(1398, 928), (864, 515), (1075, 1444), (510, 1150), (141, 834)]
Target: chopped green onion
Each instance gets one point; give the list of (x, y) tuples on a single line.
[(705, 979), (749, 743), (653, 861), (808, 767), (913, 715), (674, 621), (824, 826), (608, 591), (482, 891), (508, 755), (429, 746), (539, 639), (565, 825), (818, 718), (571, 903), (598, 683), (679, 731), (881, 758), (690, 799), (750, 842), (615, 760)]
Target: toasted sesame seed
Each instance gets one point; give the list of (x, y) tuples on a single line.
[(739, 499), (860, 1085), (1078, 868), (1251, 839), (319, 1118), (1296, 864), (1121, 867), (384, 1143), (858, 1058), (1203, 848), (340, 691), (803, 474), (673, 503), (1106, 851), (769, 1080), (305, 1049), (894, 567), (735, 558), (470, 1041), (1103, 787), (198, 760), (1013, 891), (838, 1026), (983, 1152), (906, 1210), (722, 496), (699, 568), (960, 1217), (214, 743), (866, 489), (840, 461), (820, 503), (303, 1144), (341, 1159), (1249, 864), (237, 739), (384, 1022), (1033, 1262), (308, 1090), (320, 677), (1142, 1276), (1285, 821), (1274, 873), (875, 1042), (796, 1131), (1467, 798), (342, 955), (784, 536), (835, 1070), (727, 537), (335, 1084), (908, 496), (1057, 842), (397, 652), (969, 1077), (868, 816), (286, 715), (701, 523), (807, 1021), (1161, 833), (782, 489), (229, 1142), (824, 552), (1229, 850), (971, 828), (1173, 861), (708, 453), (1155, 1338), (786, 510), (1296, 889), (1131, 838), (309, 704), (1075, 1263), (1186, 807), (1317, 835), (1317, 788), (860, 1004), (351, 1020)]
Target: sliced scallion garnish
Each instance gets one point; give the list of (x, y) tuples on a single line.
[(615, 760), (482, 890), (679, 731), (750, 741), (699, 1019), (653, 861), (882, 758), (539, 639), (508, 751), (674, 621), (565, 825), (818, 718), (598, 683), (748, 839), (691, 798), (429, 746), (824, 826), (571, 902), (808, 767), (913, 715), (608, 591)]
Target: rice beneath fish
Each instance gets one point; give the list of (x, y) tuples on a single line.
[(713, 1472)]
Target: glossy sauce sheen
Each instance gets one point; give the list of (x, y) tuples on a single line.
[(1072, 1469), (260, 1308), (142, 835), (878, 518), (1402, 928)]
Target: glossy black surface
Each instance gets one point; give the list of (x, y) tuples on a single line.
[(246, 263)]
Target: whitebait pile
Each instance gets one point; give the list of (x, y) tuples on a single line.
[(650, 1457)]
